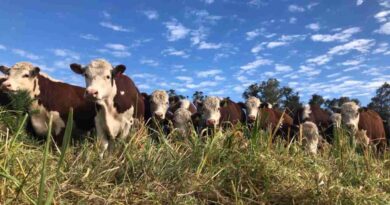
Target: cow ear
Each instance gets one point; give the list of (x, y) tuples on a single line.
[(242, 105), (4, 69), (224, 102), (35, 71), (145, 96), (77, 68), (119, 69)]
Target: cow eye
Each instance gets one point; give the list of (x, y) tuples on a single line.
[(108, 77), (25, 76), (85, 75)]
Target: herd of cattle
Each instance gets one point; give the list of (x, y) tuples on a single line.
[(111, 104)]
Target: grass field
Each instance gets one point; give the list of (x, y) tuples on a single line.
[(236, 166)]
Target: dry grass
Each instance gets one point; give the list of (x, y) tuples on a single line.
[(236, 166)]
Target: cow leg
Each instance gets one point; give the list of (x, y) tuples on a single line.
[(102, 139)]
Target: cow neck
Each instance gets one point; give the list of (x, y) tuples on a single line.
[(42, 88), (108, 104)]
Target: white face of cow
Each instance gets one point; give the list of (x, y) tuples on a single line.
[(336, 119), (350, 115), (159, 103), (22, 76), (211, 111), (181, 120), (252, 106), (311, 136), (99, 80)]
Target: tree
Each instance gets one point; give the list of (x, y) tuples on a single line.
[(337, 102), (271, 92), (381, 102), (172, 93), (316, 100), (198, 95)]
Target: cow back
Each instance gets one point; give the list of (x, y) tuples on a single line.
[(127, 96), (60, 97), (371, 121), (232, 113)]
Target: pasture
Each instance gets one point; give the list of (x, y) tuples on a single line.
[(235, 166)]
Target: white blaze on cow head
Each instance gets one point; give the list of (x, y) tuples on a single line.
[(159, 104), (252, 106), (350, 116), (185, 103), (306, 112), (311, 136), (99, 79), (182, 120), (21, 76), (211, 111), (336, 119)]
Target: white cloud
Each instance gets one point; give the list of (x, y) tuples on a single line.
[(140, 42), (198, 35), (115, 53), (219, 78), (359, 2), (274, 44), (116, 46), (342, 36), (208, 73), (296, 37), (203, 84), (186, 79), (106, 14), (204, 45), (203, 16), (320, 60), (176, 30), (66, 53), (384, 29), (174, 52), (257, 48), (353, 62), (151, 14), (361, 45), (89, 36), (292, 20), (208, 1), (149, 62), (255, 64), (312, 5), (25, 54), (382, 15), (313, 26), (308, 71), (2, 47), (256, 3), (250, 35), (283, 68), (382, 48), (295, 8), (114, 27)]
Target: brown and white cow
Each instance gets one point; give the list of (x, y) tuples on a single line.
[(215, 111), (118, 100), (175, 103), (269, 117), (182, 121), (318, 116), (311, 137), (51, 98), (365, 123), (156, 105)]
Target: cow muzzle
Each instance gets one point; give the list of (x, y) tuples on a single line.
[(6, 86), (211, 122), (91, 94), (159, 115), (251, 118)]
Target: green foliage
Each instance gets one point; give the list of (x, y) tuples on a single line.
[(316, 100), (337, 102), (236, 166), (381, 102)]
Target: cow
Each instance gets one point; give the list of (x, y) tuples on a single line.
[(175, 103), (269, 116), (118, 101), (311, 137), (182, 121), (365, 123), (50, 98), (336, 119), (156, 105), (317, 115), (214, 111)]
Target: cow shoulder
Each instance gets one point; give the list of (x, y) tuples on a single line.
[(126, 95)]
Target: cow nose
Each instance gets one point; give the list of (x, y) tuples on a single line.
[(350, 127), (6, 85), (210, 122), (251, 118), (159, 115), (92, 92)]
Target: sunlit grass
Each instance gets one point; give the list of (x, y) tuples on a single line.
[(236, 166)]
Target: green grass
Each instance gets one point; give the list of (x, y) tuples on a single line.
[(236, 166)]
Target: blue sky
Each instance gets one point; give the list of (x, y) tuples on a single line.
[(332, 48)]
